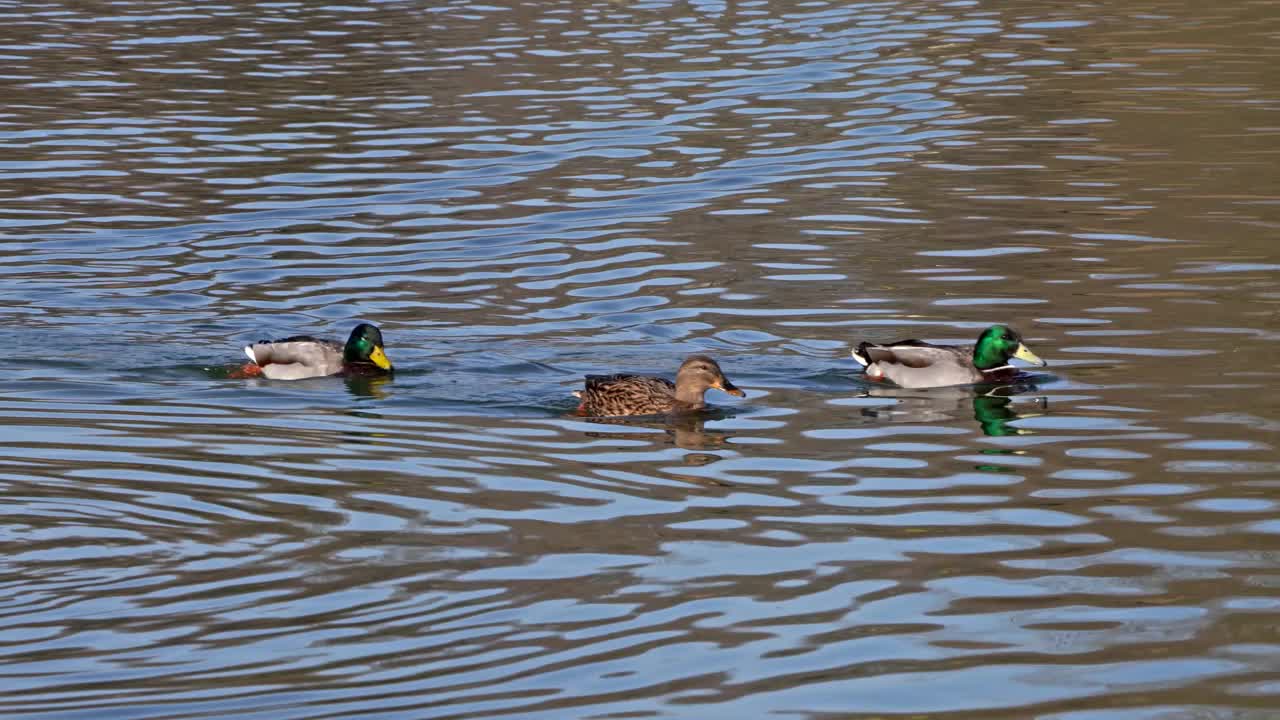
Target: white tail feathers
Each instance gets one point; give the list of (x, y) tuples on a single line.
[(861, 360), (248, 350)]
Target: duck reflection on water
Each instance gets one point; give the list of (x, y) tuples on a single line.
[(368, 386), (992, 406), (686, 431)]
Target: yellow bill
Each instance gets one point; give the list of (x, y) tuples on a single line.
[(1024, 353), (379, 358)]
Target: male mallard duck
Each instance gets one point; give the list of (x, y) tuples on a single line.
[(294, 358), (915, 364), (607, 395)]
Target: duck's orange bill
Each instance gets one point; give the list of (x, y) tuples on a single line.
[(379, 358), (731, 388)]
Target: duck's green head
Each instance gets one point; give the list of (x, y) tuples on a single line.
[(997, 345), (365, 346)]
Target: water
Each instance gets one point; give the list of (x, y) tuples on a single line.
[(520, 194)]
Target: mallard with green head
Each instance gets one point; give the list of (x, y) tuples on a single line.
[(295, 358), (915, 364), (614, 395)]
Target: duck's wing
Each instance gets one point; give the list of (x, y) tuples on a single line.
[(598, 383), (626, 395), (296, 357), (908, 353), (914, 364), (605, 383)]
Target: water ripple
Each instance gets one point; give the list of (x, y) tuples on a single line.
[(521, 195)]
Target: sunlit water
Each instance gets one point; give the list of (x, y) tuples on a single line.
[(523, 193)]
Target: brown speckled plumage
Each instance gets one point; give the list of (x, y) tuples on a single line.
[(613, 395)]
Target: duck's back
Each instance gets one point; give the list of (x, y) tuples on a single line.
[(297, 357), (913, 364), (626, 395)]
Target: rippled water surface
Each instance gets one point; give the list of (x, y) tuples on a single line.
[(522, 193)]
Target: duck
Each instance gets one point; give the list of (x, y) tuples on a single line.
[(618, 395), (303, 356), (916, 364)]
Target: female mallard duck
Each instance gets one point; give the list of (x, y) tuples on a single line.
[(294, 358), (607, 395), (915, 364)]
